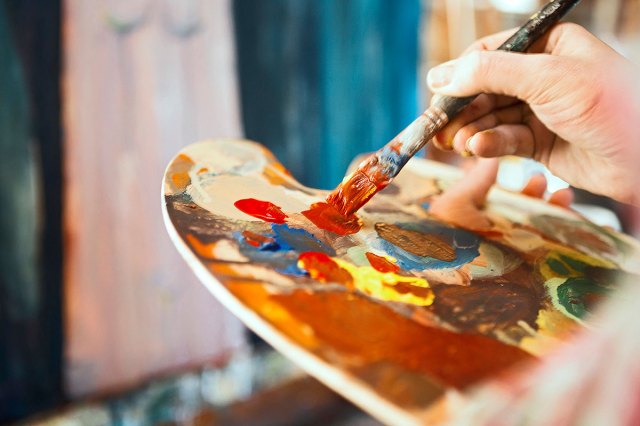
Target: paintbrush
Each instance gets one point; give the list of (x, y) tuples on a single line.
[(377, 171)]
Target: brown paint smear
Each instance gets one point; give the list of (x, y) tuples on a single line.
[(485, 307), (416, 242), (359, 329)]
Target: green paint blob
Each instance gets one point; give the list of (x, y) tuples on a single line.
[(577, 265), (557, 267), (578, 295)]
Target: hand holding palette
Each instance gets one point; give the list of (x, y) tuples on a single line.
[(393, 307)]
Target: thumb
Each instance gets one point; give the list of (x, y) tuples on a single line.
[(529, 77)]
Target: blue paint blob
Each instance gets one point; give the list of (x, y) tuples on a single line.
[(282, 253), (391, 162), (299, 240)]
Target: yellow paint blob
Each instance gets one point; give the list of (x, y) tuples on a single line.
[(560, 256), (389, 286)]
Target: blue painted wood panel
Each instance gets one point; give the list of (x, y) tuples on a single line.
[(322, 81), (30, 194)]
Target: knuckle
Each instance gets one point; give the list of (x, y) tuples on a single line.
[(571, 29), (469, 130)]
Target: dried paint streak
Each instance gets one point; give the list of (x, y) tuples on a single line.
[(327, 217), (322, 268), (370, 333), (259, 241), (578, 234), (263, 210), (380, 263), (415, 242)]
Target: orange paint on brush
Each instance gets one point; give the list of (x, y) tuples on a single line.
[(256, 240), (395, 147), (381, 264), (327, 217), (357, 189), (322, 268), (263, 210)]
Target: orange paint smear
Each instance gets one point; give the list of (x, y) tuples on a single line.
[(355, 328), (179, 171), (202, 249), (381, 264), (322, 268), (327, 217), (263, 210), (181, 180), (256, 240)]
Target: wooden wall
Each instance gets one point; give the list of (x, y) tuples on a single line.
[(141, 80)]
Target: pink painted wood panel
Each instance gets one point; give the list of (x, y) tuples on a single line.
[(141, 80)]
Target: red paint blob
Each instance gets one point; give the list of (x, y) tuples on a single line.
[(327, 217), (322, 268), (256, 240), (264, 210), (381, 264)]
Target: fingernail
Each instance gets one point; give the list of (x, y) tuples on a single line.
[(469, 147), (441, 75), (449, 143)]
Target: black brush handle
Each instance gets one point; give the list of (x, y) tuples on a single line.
[(520, 41)]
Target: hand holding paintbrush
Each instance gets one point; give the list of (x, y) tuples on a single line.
[(378, 170)]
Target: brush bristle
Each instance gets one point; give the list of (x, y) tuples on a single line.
[(353, 193)]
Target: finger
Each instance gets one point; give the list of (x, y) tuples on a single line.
[(479, 179), (510, 115), (468, 165), (480, 106), (550, 42), (562, 197), (505, 139), (562, 38), (536, 186), (461, 204), (490, 42), (500, 73)]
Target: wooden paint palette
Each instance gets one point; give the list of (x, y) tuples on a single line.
[(394, 309)]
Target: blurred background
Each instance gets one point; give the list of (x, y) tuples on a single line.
[(100, 320)]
